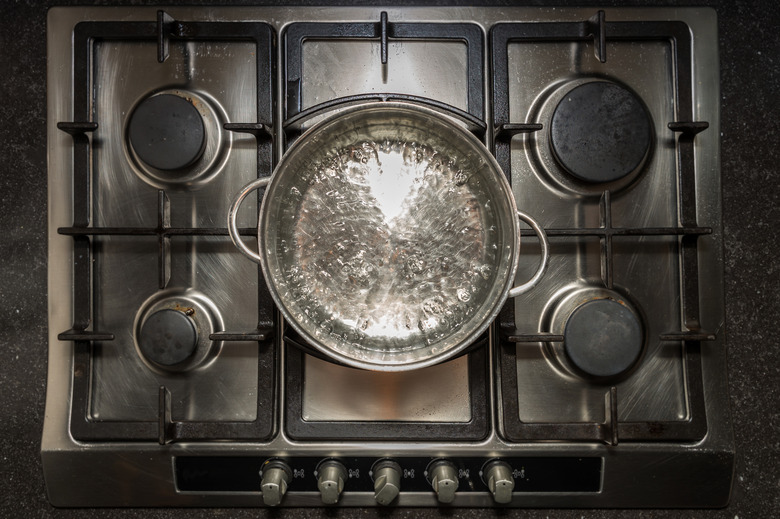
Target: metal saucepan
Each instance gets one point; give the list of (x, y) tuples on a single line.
[(388, 236)]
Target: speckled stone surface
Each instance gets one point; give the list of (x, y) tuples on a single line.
[(750, 59)]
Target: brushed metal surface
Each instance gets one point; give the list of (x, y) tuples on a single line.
[(219, 78), (646, 475), (437, 393), (435, 69), (646, 269)]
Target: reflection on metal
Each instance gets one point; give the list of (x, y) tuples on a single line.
[(124, 387), (416, 67), (656, 390), (338, 393)]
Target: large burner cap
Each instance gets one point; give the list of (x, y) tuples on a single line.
[(600, 132), (603, 338), (168, 337), (167, 132)]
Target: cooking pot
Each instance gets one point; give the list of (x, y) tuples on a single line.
[(388, 236)]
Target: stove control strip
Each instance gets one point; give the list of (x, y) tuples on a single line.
[(386, 478)]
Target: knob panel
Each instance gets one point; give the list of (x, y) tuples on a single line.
[(478, 482)]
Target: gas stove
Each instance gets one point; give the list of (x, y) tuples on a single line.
[(173, 380)]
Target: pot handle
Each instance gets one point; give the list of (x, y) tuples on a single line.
[(528, 285), (233, 212)]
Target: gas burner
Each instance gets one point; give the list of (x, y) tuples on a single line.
[(175, 139), (166, 132), (172, 330), (600, 136), (600, 132), (603, 334), (168, 337), (602, 338)]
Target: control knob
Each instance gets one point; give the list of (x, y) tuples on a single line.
[(443, 476), (276, 476), (331, 475), (387, 481), (498, 476)]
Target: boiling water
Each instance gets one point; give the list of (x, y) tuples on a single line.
[(386, 246)]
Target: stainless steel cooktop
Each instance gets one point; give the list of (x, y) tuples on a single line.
[(173, 381)]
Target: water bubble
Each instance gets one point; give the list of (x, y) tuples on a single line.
[(326, 327), (464, 295), (427, 324), (433, 305), (408, 322), (484, 271), (415, 264), (460, 178), (409, 154)]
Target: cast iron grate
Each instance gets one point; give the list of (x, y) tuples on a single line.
[(164, 430), (295, 120), (297, 33), (609, 431)]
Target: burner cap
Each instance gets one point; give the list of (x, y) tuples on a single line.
[(168, 337), (600, 132), (603, 338), (167, 132)]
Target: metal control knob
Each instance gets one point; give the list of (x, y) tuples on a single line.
[(330, 481), (276, 476), (498, 476), (443, 476), (387, 481)]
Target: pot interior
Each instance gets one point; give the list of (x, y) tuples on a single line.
[(389, 237)]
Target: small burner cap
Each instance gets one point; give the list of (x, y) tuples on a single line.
[(600, 132), (168, 337), (603, 338), (167, 132)]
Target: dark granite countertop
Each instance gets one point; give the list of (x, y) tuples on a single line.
[(750, 60)]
